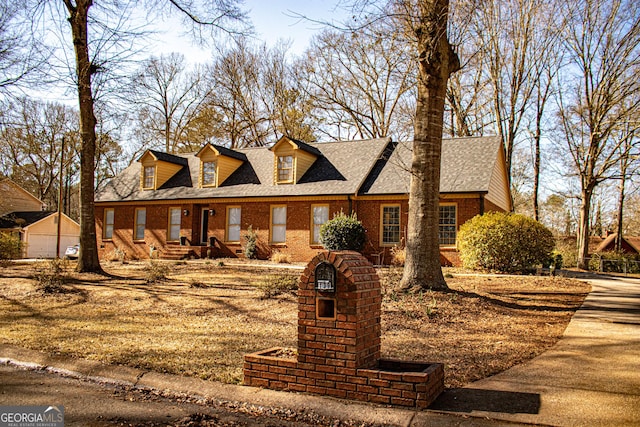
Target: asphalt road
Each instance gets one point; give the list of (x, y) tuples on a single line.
[(94, 404)]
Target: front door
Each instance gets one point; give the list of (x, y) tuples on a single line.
[(204, 225)]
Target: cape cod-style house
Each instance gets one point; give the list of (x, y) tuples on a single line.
[(202, 204)]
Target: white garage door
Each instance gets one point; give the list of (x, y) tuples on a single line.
[(44, 245)]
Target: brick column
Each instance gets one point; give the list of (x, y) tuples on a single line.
[(351, 340)]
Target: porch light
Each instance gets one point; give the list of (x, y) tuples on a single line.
[(185, 212)]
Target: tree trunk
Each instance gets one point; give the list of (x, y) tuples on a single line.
[(583, 230), (436, 61), (88, 259), (623, 181)]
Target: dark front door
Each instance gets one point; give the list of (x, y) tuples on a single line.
[(204, 225)]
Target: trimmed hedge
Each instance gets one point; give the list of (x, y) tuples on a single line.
[(504, 242), (343, 233)]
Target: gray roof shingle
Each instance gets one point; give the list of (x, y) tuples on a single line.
[(372, 167), (466, 167), (340, 170)]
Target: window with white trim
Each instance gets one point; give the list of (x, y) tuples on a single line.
[(233, 224), (174, 224), (109, 219), (319, 215), (447, 225), (390, 225), (285, 168), (141, 221), (278, 224), (149, 176), (208, 173)]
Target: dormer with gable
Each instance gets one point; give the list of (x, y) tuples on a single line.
[(217, 164), (292, 158), (157, 167)]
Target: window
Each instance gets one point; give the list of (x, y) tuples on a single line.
[(319, 215), (208, 173), (278, 224), (285, 168), (141, 220), (233, 224), (447, 225), (174, 224), (149, 176), (390, 225), (108, 223)]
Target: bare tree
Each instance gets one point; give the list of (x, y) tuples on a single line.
[(168, 100), (511, 34), (628, 163), (107, 20), (364, 77), (33, 145), (600, 87)]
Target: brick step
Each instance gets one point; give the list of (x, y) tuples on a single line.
[(177, 253)]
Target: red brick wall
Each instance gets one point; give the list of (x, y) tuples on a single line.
[(257, 214), (341, 356)]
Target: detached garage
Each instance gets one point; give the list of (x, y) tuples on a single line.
[(38, 231)]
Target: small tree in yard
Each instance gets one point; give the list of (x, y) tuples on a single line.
[(504, 242), (10, 248), (343, 233)]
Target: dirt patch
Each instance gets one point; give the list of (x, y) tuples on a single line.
[(203, 318)]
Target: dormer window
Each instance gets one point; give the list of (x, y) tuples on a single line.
[(217, 164), (285, 169), (149, 177), (292, 159), (156, 168), (208, 174)]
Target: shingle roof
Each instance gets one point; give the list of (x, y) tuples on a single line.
[(339, 170), (372, 167), (466, 167), (22, 219), (166, 157)]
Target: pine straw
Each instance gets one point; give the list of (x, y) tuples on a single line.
[(203, 318)]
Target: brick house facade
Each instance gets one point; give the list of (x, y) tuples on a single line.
[(204, 203)]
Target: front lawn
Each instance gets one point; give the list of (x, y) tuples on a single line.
[(204, 317)]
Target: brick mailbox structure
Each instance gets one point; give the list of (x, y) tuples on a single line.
[(339, 305)]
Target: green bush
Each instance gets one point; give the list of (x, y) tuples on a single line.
[(615, 262), (504, 242), (10, 247), (251, 245), (343, 233)]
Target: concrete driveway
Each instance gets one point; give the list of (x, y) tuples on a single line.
[(590, 377)]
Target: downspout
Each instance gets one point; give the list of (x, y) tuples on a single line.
[(350, 203), (481, 204)]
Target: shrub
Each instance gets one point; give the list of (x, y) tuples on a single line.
[(615, 262), (250, 247), (504, 242), (343, 232), (51, 278), (10, 247), (155, 271), (281, 258), (277, 284), (398, 256)]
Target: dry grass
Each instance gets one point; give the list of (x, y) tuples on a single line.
[(203, 318)]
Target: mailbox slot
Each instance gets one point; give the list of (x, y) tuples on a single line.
[(325, 278), (326, 308)]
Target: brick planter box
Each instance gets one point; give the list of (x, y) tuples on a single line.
[(339, 344), (393, 382)]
